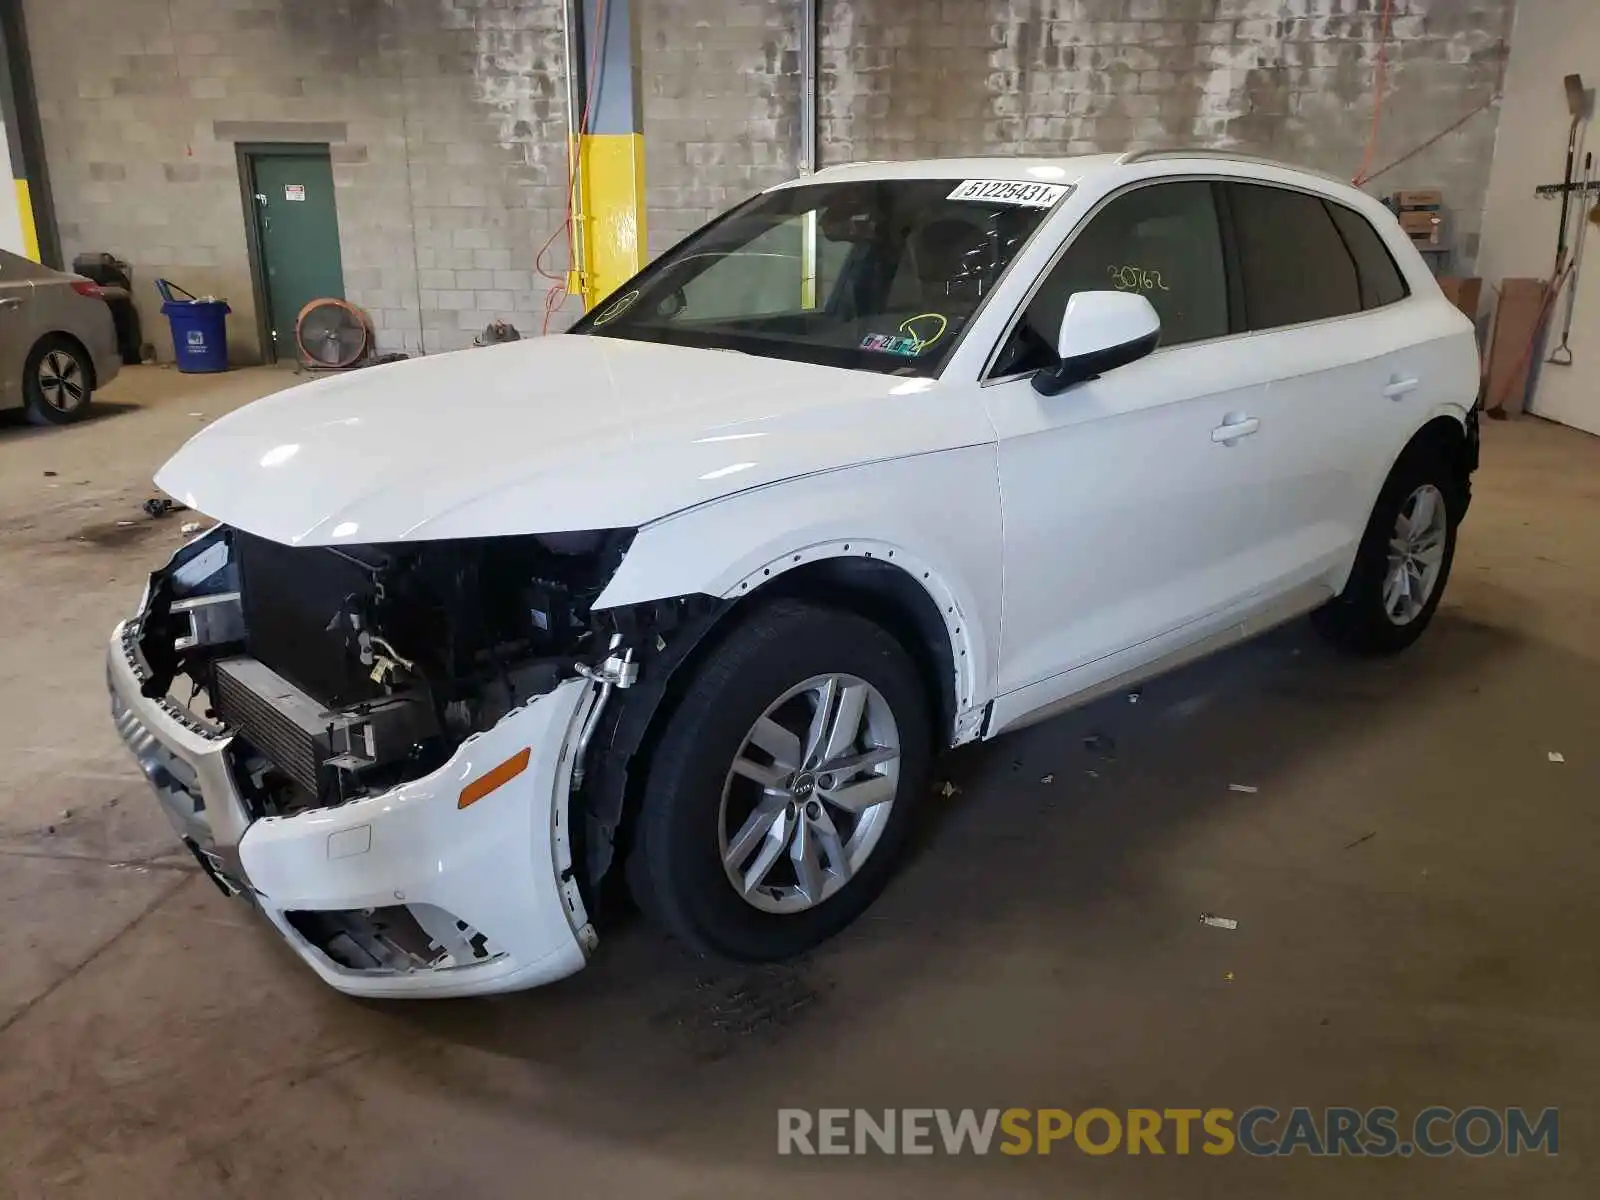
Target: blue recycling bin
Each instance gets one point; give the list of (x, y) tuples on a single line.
[(199, 329)]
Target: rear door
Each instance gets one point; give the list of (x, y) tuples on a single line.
[(1318, 292)]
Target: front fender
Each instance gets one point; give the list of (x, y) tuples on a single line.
[(934, 516)]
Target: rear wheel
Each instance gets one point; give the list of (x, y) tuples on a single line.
[(1404, 560), (57, 382), (780, 795)]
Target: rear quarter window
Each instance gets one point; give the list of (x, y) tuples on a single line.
[(1380, 278), (1293, 261)]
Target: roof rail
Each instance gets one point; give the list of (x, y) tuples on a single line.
[(1147, 155)]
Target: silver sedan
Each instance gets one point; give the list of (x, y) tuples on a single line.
[(57, 341)]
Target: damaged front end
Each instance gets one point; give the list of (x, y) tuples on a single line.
[(347, 699), (349, 670)]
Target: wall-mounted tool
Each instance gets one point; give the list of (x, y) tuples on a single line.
[(1562, 355), (1578, 106)]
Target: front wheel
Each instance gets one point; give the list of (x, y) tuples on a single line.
[(781, 792), (1404, 559)]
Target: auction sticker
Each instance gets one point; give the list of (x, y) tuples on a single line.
[(1008, 191)]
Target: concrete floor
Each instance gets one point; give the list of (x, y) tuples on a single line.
[(1414, 883)]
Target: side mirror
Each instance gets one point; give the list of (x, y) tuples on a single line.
[(1100, 331)]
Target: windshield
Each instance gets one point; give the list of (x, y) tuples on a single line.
[(881, 275)]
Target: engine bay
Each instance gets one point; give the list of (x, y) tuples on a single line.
[(343, 671)]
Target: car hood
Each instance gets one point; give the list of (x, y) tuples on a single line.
[(546, 435)]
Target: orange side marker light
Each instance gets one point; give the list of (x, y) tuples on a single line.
[(494, 778)]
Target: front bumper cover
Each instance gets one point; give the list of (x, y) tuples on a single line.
[(500, 868)]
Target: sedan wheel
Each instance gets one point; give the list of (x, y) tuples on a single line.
[(781, 790), (57, 382), (810, 793), (61, 381)]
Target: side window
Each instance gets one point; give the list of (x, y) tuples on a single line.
[(1162, 241), (1292, 259), (1381, 281)]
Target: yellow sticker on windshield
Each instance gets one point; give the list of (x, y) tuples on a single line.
[(923, 330), (616, 308)]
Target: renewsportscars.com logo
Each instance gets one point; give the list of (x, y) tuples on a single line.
[(1261, 1132)]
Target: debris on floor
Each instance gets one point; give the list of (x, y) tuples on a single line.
[(947, 789), (496, 333), (1365, 837), (189, 527), (160, 506), (1249, 789), (381, 360), (1101, 744), (1556, 756), (1227, 977), (1048, 779), (1092, 774), (1217, 922), (50, 474), (1133, 696)]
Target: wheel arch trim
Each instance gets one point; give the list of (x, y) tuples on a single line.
[(954, 611), (934, 518)]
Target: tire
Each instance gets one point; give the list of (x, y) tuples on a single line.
[(1359, 620), (695, 806), (56, 357)]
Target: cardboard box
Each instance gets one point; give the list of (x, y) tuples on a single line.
[(1516, 325), (1424, 228), (1419, 198), (1464, 293), (1416, 223)]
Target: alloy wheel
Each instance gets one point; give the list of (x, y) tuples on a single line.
[(809, 794), (61, 381), (1416, 554)]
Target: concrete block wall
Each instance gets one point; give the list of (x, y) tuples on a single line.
[(721, 95), (1289, 79), (445, 120)]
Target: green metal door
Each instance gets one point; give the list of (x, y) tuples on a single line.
[(297, 232)]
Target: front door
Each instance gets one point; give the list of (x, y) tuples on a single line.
[(297, 236), (1129, 501)]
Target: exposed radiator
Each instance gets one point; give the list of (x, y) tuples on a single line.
[(306, 741), (277, 719)]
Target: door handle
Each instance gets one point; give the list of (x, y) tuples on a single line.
[(1401, 386), (11, 302), (1232, 431)]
